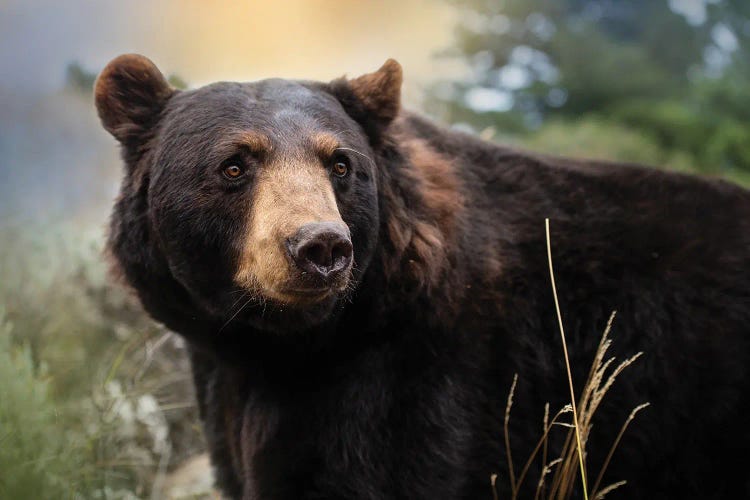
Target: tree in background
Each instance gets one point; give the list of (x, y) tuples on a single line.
[(674, 72)]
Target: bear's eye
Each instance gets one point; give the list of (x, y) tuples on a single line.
[(233, 171), (340, 167)]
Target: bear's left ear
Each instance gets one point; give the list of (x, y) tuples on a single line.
[(130, 95), (373, 99)]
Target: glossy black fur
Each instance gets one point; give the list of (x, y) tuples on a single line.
[(398, 390)]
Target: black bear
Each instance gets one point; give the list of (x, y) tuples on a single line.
[(358, 287)]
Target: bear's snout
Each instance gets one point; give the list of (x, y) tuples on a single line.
[(322, 250)]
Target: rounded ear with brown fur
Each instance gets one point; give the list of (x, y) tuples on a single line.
[(130, 94), (373, 99)]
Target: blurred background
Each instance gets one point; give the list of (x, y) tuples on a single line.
[(95, 399)]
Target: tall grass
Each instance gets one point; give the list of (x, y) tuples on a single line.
[(560, 474)]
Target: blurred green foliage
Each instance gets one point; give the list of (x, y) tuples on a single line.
[(95, 399), (593, 137), (671, 74), (37, 460)]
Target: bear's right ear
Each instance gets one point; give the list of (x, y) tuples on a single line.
[(373, 99), (130, 94)]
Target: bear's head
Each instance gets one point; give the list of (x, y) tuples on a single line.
[(255, 203)]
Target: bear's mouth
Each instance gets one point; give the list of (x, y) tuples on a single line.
[(309, 293), (301, 296)]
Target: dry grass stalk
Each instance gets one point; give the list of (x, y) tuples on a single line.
[(540, 486), (609, 488), (579, 446), (546, 470), (614, 445), (545, 424), (508, 405), (542, 443)]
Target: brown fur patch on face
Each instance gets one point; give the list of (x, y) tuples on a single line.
[(421, 239), (231, 142), (256, 141), (324, 144), (287, 195)]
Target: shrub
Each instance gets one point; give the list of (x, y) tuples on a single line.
[(95, 399), (37, 457)]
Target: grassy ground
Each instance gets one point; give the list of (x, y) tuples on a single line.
[(95, 400)]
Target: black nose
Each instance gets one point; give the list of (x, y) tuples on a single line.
[(322, 249)]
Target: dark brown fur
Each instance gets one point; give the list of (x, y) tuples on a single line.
[(396, 386)]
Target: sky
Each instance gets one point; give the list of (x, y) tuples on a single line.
[(57, 161)]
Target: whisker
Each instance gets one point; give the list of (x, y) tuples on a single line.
[(235, 314), (347, 293), (357, 152), (238, 300)]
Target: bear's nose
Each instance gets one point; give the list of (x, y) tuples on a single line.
[(322, 249)]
